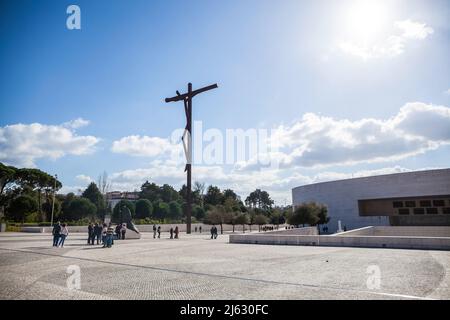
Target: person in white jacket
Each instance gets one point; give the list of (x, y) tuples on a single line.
[(63, 235), (123, 230)]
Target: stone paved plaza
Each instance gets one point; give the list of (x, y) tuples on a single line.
[(196, 267)]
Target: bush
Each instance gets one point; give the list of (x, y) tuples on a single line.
[(80, 208), (174, 210), (32, 218), (144, 209), (160, 210), (198, 212), (307, 213), (21, 207), (147, 221), (12, 228)]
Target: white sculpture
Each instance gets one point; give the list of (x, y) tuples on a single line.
[(339, 227)]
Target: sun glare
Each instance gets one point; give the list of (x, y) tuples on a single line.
[(366, 19)]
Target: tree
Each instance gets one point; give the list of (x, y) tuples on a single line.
[(322, 215), (199, 188), (175, 211), (276, 216), (213, 217), (80, 208), (168, 193), (103, 183), (93, 194), (66, 202), (251, 218), (242, 219), (196, 197), (160, 210), (116, 216), (306, 213), (21, 207), (37, 180), (198, 212), (150, 191), (218, 215), (213, 196), (48, 206), (231, 218), (260, 220), (230, 194), (7, 176), (144, 209), (104, 186), (259, 199)]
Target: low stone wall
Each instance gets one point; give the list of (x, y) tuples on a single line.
[(390, 231), (403, 242)]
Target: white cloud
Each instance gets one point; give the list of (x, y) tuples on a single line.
[(23, 144), (84, 178), (277, 182), (77, 123), (77, 190), (312, 142), (144, 146), (318, 141), (414, 30), (447, 92), (392, 45)]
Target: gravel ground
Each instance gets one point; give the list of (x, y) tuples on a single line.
[(196, 267)]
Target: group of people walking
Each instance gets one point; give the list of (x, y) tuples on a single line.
[(199, 229), (156, 231), (174, 233), (60, 233), (214, 232)]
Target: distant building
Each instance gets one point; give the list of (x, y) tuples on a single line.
[(114, 197), (420, 198)]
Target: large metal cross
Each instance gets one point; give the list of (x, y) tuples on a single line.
[(187, 142)]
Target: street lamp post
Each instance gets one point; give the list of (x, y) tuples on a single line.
[(53, 204), (187, 142)]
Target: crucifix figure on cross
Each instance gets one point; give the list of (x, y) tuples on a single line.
[(187, 142)]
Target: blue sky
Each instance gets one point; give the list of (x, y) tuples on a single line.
[(274, 62)]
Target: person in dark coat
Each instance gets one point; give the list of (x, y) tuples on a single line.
[(56, 232), (98, 232), (159, 232), (91, 234), (117, 231), (176, 232), (212, 231), (171, 233), (200, 229), (154, 231)]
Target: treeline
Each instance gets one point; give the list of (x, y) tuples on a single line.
[(210, 205), (27, 196)]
